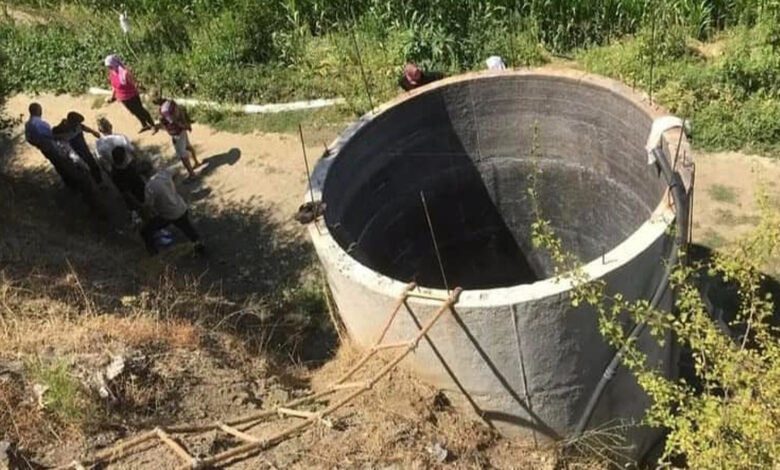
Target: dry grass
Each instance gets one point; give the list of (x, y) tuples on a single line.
[(36, 312), (21, 419)]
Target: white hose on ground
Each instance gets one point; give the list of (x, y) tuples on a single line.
[(247, 108)]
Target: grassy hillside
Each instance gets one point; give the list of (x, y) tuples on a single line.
[(271, 51)]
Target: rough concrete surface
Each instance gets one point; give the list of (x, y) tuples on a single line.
[(514, 350)]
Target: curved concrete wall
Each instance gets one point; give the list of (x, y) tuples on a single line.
[(514, 351)]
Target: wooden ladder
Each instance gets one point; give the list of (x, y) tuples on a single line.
[(237, 427)]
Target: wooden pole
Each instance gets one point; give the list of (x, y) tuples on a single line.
[(178, 449), (252, 446), (398, 304), (255, 443)]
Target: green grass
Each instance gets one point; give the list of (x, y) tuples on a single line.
[(266, 51), (65, 397), (730, 219), (733, 99), (333, 118), (722, 193)]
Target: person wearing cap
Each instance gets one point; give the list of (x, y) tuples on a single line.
[(168, 207), (124, 89), (176, 122), (414, 77), (71, 129), (108, 142)]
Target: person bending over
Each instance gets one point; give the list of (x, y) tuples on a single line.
[(168, 207), (105, 145), (127, 180)]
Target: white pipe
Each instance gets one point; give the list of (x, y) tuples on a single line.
[(247, 108)]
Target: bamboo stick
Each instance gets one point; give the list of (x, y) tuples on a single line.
[(176, 447), (113, 452), (412, 345), (255, 443), (305, 414), (401, 344), (349, 385), (191, 428), (398, 304), (236, 433), (237, 451), (251, 420), (356, 367), (250, 446)]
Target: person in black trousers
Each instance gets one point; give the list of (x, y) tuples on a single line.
[(72, 129), (127, 179), (124, 89)]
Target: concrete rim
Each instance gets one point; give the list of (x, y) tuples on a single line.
[(654, 227)]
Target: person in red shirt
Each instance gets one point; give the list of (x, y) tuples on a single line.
[(124, 89), (177, 123)]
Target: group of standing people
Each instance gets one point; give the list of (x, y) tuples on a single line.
[(149, 195)]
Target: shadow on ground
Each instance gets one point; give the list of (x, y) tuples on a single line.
[(260, 280), (724, 300)]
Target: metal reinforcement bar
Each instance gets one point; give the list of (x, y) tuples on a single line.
[(237, 426)]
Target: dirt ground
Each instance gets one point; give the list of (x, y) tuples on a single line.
[(268, 168), (79, 291)]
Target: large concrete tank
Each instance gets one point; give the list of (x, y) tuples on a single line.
[(515, 351)]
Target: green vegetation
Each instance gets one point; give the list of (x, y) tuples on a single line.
[(62, 394), (725, 416), (234, 121), (272, 51), (722, 193), (732, 97), (5, 122)]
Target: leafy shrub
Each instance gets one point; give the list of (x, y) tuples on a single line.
[(725, 416)]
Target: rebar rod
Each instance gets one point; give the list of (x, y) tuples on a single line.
[(435, 244)]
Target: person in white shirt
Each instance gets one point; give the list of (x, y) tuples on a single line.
[(169, 208), (106, 145), (495, 62)]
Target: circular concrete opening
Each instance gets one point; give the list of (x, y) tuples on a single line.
[(470, 146), (513, 349)]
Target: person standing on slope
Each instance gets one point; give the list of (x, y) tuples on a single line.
[(38, 133), (124, 89), (175, 120)]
